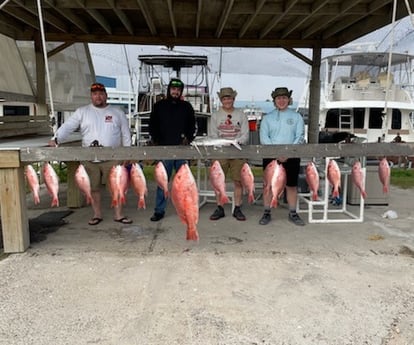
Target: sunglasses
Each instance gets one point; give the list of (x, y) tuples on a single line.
[(97, 87)]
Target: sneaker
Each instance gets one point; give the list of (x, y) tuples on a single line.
[(218, 213), (157, 216), (265, 218), (238, 214), (295, 219)]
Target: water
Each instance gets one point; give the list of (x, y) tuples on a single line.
[(265, 106)]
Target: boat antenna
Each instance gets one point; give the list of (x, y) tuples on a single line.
[(387, 89)]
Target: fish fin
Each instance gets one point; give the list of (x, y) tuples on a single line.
[(236, 145)]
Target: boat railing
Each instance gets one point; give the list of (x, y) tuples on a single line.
[(17, 125)]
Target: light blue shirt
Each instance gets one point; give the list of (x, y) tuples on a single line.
[(282, 127)]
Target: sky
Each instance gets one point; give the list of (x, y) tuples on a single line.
[(253, 72)]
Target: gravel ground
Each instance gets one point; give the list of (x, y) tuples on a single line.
[(344, 284)]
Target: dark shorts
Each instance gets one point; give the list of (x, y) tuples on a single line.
[(292, 167)]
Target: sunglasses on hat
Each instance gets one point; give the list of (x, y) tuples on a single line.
[(97, 87)]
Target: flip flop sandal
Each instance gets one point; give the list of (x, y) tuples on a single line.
[(95, 221), (124, 220)]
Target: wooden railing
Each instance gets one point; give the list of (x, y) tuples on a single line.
[(12, 185)]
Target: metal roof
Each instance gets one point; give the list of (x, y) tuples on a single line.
[(241, 23)]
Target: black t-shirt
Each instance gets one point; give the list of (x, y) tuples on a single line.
[(171, 121)]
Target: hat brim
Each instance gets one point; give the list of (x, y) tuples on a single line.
[(232, 95)]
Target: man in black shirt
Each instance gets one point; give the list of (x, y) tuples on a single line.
[(172, 122)]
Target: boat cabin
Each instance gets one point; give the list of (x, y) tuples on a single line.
[(155, 72), (369, 95)]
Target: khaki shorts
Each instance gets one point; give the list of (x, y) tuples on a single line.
[(233, 166), (98, 172)]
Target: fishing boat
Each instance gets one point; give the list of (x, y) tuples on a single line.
[(155, 74), (367, 96)]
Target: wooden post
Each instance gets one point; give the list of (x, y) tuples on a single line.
[(14, 220), (74, 196)]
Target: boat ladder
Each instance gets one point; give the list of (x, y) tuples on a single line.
[(346, 120)]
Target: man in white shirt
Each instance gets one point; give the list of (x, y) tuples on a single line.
[(100, 124)]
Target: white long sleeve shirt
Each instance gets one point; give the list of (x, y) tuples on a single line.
[(234, 125), (109, 126)]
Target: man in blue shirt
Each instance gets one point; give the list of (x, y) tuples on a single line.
[(283, 126)]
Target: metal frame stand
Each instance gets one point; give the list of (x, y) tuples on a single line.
[(322, 206)]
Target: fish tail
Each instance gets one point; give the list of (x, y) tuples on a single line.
[(314, 196), (192, 233), (251, 198), (385, 189), (364, 194), (335, 193), (273, 203), (224, 199), (55, 201), (36, 199), (141, 203)]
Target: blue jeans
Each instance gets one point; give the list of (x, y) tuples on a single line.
[(160, 200)]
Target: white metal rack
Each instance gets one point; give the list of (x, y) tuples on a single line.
[(205, 194), (324, 209)]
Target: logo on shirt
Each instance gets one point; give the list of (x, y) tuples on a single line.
[(108, 118)]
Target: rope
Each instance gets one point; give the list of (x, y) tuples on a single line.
[(42, 31)]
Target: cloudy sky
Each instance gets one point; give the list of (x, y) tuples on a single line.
[(253, 72)]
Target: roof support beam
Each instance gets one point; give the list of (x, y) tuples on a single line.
[(259, 6), (99, 18), (198, 17), (345, 23), (316, 7), (224, 17), (68, 13), (270, 25), (22, 16), (122, 16), (49, 18), (146, 13), (171, 15), (58, 49), (345, 7)]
